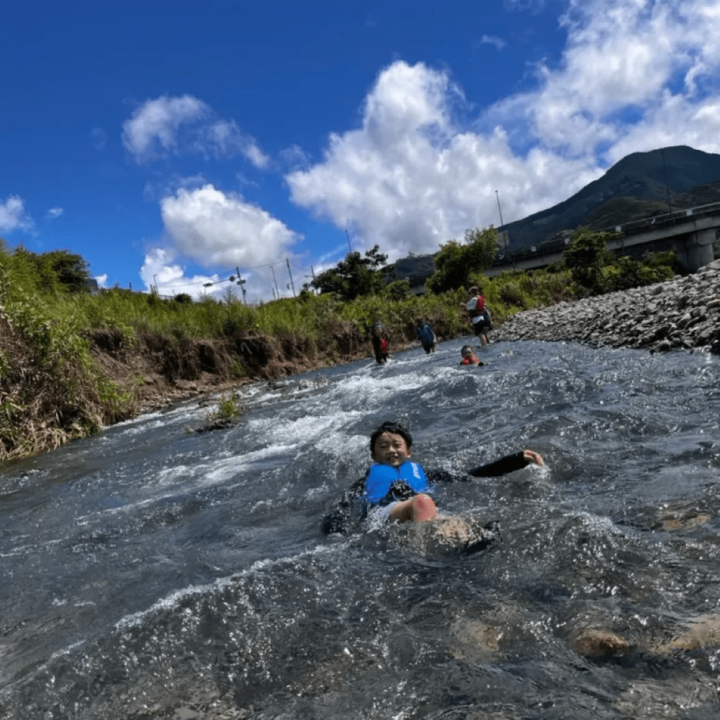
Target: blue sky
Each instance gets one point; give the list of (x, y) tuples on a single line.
[(173, 142)]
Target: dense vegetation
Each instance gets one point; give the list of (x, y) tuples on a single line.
[(54, 335)]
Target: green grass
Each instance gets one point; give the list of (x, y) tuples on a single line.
[(229, 407), (52, 390)]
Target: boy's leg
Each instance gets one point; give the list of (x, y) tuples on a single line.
[(420, 508)]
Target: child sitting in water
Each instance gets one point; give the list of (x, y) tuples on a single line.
[(397, 489), (469, 357)]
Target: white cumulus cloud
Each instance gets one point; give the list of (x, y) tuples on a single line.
[(161, 270), (216, 228), (410, 178), (625, 64), (167, 126), (219, 231), (634, 75), (13, 215)]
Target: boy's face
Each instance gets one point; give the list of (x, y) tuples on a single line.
[(467, 352), (390, 449)]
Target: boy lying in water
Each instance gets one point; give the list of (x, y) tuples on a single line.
[(397, 489)]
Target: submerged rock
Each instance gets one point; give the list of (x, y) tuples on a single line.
[(601, 644)]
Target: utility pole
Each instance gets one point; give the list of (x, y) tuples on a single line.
[(241, 283), (275, 281), (156, 285), (312, 270), (348, 239), (290, 274)]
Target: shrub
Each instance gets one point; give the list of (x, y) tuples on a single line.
[(456, 261), (586, 256), (229, 407), (398, 290)]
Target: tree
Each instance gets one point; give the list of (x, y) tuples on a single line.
[(354, 276), (628, 273), (228, 296), (586, 256), (49, 272), (398, 290), (457, 261)]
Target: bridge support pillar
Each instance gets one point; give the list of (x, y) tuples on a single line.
[(696, 250)]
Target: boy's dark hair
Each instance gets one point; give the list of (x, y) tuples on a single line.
[(390, 427)]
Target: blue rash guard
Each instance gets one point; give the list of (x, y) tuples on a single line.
[(385, 484)]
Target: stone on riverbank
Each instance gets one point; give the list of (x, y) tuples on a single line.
[(683, 313)]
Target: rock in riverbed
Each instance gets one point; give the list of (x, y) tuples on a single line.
[(682, 313)]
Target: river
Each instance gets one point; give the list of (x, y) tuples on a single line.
[(150, 572)]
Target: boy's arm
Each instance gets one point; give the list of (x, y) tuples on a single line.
[(508, 464)]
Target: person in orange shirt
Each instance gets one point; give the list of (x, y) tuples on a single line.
[(469, 357)]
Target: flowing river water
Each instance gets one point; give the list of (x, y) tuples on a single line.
[(149, 572)]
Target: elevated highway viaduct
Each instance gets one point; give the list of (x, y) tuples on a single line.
[(690, 233)]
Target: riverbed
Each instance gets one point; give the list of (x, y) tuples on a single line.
[(155, 572)]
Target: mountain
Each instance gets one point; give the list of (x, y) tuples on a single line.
[(638, 186)]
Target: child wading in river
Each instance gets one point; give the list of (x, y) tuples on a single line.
[(425, 335), (380, 343)]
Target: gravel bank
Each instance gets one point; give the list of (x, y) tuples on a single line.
[(683, 313)]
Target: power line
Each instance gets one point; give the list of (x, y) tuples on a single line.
[(219, 275)]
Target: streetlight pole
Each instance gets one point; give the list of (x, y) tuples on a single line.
[(502, 224), (290, 274), (497, 197)]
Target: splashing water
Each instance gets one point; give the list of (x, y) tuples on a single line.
[(152, 573)]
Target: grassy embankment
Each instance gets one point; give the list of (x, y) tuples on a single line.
[(71, 362)]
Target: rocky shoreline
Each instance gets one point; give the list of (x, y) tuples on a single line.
[(680, 314)]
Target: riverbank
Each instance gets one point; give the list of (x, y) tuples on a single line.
[(680, 314), (683, 313), (72, 364), (158, 371)]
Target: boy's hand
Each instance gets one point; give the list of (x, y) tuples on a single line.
[(532, 457)]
